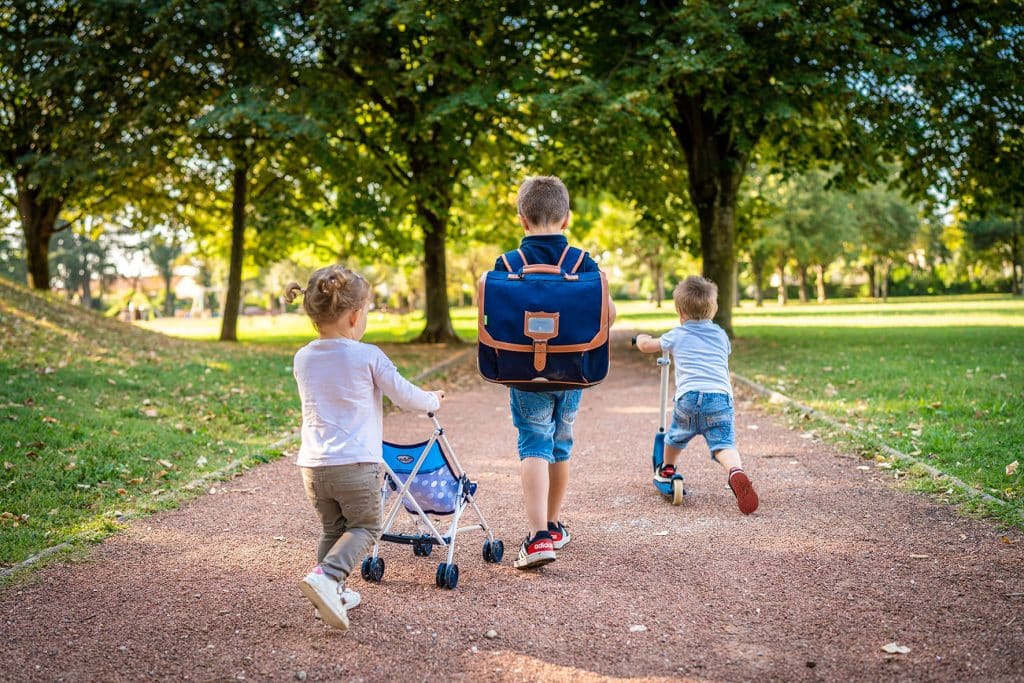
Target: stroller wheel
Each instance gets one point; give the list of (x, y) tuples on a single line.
[(677, 492), (422, 549), (452, 577), (375, 569), (493, 551), (417, 549), (364, 569), (442, 575)]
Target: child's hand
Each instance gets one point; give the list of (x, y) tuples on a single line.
[(645, 343), (439, 393)]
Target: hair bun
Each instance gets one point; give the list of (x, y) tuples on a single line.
[(291, 291), (334, 283)]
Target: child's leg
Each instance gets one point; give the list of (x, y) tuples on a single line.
[(355, 490), (681, 430), (671, 454), (739, 482), (347, 498), (558, 482), (533, 416), (728, 458), (536, 489), (566, 407)]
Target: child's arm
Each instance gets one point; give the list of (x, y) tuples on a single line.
[(401, 391), (648, 344)]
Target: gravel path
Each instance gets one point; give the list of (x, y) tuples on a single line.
[(834, 565)]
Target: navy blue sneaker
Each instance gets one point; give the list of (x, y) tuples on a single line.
[(560, 536)]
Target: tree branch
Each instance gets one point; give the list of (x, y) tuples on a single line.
[(10, 200)]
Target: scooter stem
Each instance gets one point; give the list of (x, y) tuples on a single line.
[(664, 363)]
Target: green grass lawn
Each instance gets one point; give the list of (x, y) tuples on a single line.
[(938, 378), (99, 417)]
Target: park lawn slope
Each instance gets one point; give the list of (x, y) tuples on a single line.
[(941, 379), (98, 418)]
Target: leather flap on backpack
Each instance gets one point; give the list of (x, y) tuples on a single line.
[(540, 327)]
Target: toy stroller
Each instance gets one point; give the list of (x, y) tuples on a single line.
[(428, 480), (674, 488)]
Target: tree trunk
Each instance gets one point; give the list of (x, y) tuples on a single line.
[(735, 283), (38, 224), (872, 289), (820, 270), (86, 284), (168, 294), (658, 275), (883, 282), (1017, 261), (715, 165), (229, 324), (757, 266), (439, 321), (783, 298), (801, 273)]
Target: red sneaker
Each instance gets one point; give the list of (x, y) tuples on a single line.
[(746, 497), (536, 552), (665, 473)]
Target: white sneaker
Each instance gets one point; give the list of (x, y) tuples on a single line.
[(325, 594), (349, 597)]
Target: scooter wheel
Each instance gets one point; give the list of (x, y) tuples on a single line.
[(677, 492)]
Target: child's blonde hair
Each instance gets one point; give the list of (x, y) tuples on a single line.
[(543, 200), (332, 291), (696, 297)]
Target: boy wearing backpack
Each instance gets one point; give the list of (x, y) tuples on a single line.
[(544, 419)]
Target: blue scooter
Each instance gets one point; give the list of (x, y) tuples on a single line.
[(670, 489)]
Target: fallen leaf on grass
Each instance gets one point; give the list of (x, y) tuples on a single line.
[(1011, 469), (51, 420), (122, 492), (166, 463), (895, 648), (150, 412)]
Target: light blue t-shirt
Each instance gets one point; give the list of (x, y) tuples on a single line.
[(700, 351)]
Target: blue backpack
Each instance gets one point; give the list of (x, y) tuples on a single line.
[(543, 327)]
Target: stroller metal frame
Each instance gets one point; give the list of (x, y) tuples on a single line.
[(447, 572)]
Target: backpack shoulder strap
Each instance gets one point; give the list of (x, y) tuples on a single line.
[(514, 260), (571, 259)]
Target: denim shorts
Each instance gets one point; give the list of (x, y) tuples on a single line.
[(544, 420), (709, 415)]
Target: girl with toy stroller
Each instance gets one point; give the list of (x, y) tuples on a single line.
[(341, 382)]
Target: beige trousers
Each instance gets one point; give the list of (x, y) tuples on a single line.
[(347, 499)]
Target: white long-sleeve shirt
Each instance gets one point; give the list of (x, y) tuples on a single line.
[(341, 384)]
